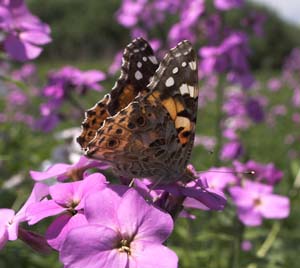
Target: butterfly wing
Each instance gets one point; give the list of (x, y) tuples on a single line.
[(153, 136), (138, 66), (175, 87)]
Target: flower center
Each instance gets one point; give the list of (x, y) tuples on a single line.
[(124, 246), (256, 202)]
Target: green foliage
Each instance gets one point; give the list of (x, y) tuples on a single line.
[(80, 29), (90, 31)]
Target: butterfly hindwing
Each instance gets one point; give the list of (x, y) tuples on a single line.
[(138, 66)]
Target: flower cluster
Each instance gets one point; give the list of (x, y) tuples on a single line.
[(24, 33), (250, 186), (19, 91), (61, 87), (123, 226), (241, 109)]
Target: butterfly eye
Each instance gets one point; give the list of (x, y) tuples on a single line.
[(112, 143)]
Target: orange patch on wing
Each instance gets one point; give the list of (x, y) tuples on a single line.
[(126, 96), (179, 106), (185, 125), (170, 105)]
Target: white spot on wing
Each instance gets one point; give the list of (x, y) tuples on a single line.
[(184, 89), (138, 75), (136, 50), (183, 64), (144, 59), (139, 64), (193, 65), (153, 59), (170, 82), (192, 91), (175, 70)]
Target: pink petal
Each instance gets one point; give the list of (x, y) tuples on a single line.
[(35, 37), (19, 50), (60, 227), (149, 255), (250, 217), (193, 203), (241, 197), (51, 172), (92, 183), (12, 229), (38, 192), (275, 207), (6, 215), (257, 187), (92, 246), (75, 192), (3, 236), (139, 219), (63, 193), (93, 76), (38, 211), (101, 208)]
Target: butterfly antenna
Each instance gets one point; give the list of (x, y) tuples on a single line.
[(249, 172)]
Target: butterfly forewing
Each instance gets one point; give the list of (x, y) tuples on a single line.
[(138, 66), (175, 87)]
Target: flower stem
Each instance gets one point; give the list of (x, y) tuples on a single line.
[(219, 117), (267, 244)]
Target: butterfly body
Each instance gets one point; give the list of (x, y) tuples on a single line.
[(152, 136)]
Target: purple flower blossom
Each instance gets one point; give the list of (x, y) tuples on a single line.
[(296, 97), (263, 172), (61, 171), (17, 97), (228, 4), (25, 32), (25, 73), (255, 110), (9, 220), (231, 150), (207, 142), (256, 21), (219, 178), (256, 201), (68, 201), (124, 232), (246, 245), (274, 84), (229, 56)]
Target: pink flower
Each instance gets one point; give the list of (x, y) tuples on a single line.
[(9, 220), (123, 232), (68, 201), (256, 201), (63, 171), (25, 32)]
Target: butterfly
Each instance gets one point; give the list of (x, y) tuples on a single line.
[(145, 127)]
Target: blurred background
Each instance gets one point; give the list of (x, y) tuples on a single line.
[(249, 110)]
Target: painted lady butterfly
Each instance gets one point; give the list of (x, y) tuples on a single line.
[(145, 127)]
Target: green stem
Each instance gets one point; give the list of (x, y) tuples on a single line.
[(267, 244), (218, 126), (236, 248)]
